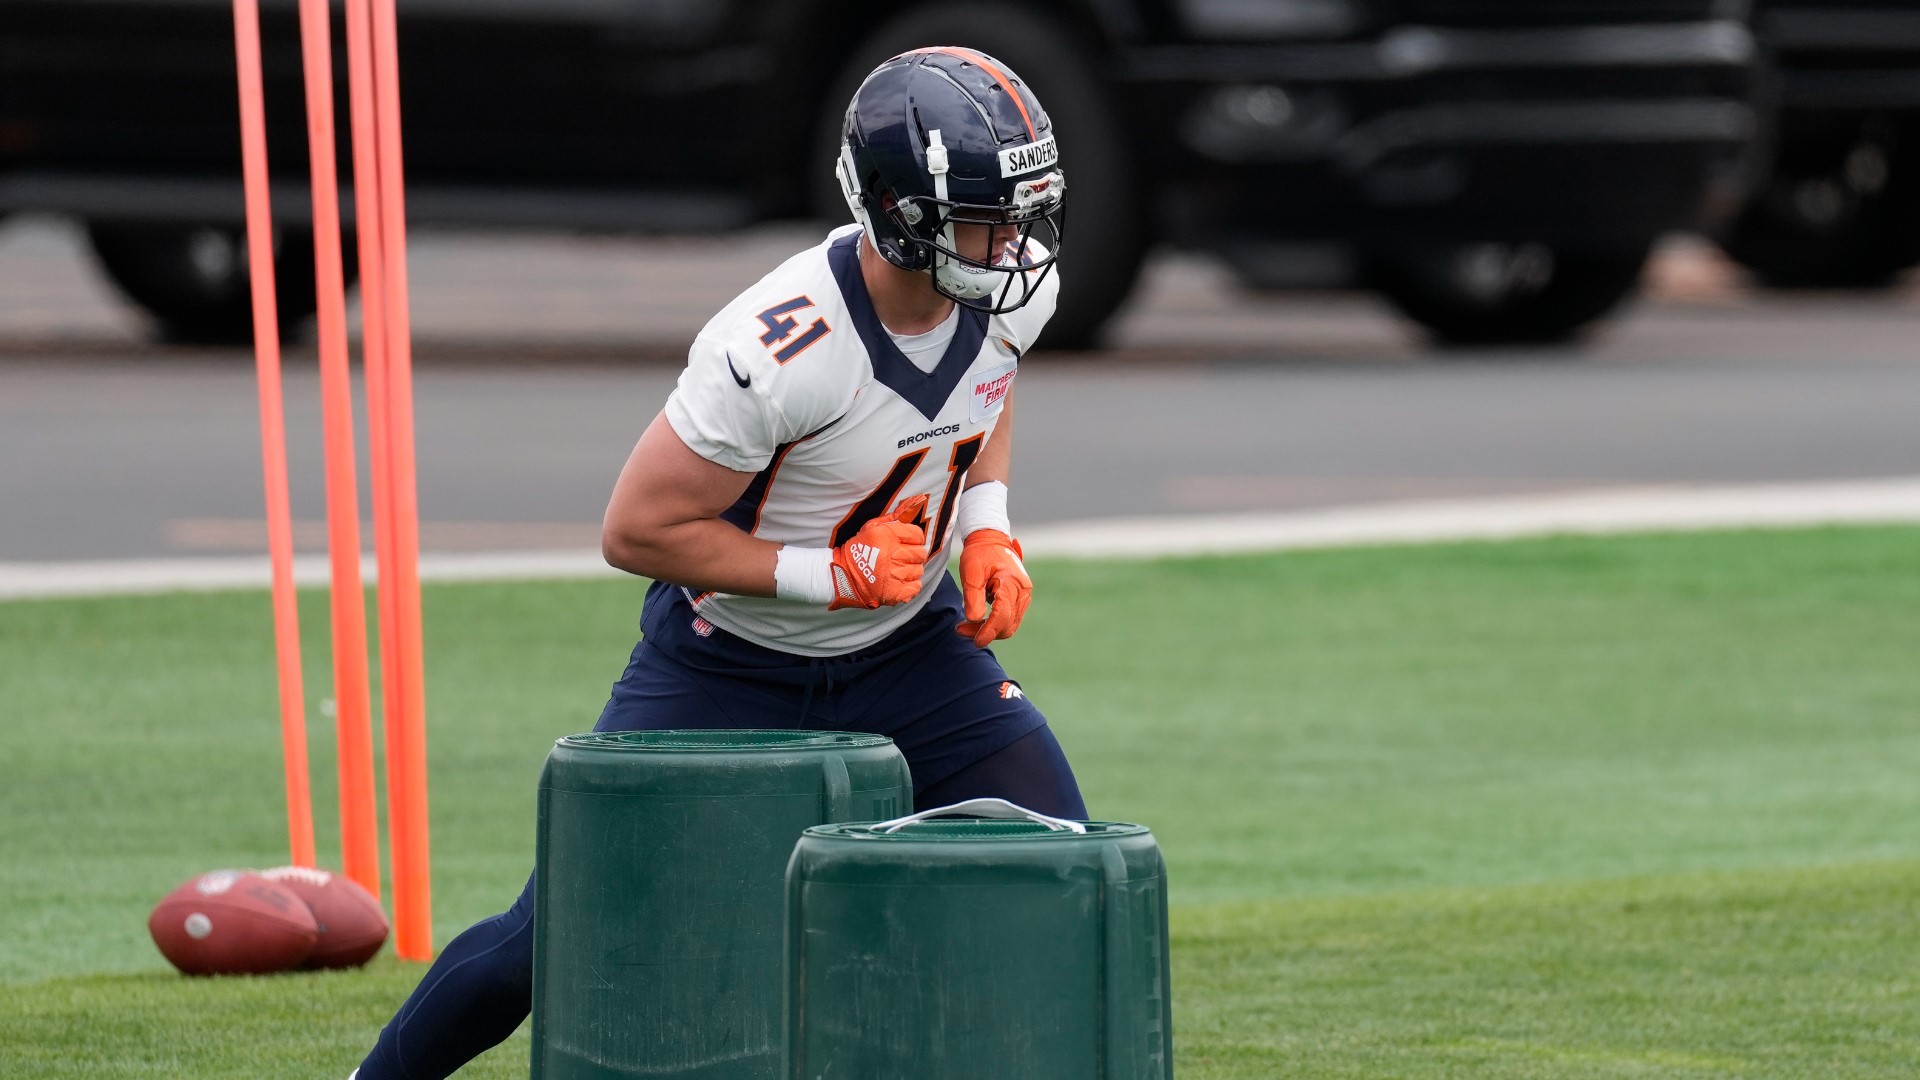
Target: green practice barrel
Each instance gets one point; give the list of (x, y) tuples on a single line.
[(961, 949), (658, 906)]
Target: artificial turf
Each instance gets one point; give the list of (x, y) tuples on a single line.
[(1579, 807)]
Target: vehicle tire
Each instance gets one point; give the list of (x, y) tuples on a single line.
[(1504, 294), (1101, 259), (1855, 225), (193, 278)]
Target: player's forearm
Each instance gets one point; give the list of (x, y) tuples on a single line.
[(995, 462), (994, 585), (983, 503), (706, 555)]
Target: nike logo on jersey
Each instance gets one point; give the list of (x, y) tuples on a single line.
[(744, 380)]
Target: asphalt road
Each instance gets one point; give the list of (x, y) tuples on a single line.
[(541, 359)]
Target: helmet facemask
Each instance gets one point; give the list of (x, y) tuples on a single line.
[(919, 233)]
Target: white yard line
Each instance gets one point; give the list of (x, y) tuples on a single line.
[(204, 573), (1588, 512)]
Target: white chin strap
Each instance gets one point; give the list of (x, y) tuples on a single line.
[(957, 279)]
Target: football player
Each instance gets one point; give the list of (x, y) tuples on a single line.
[(843, 429)]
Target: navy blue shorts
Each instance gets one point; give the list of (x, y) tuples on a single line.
[(943, 700)]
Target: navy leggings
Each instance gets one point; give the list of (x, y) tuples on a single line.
[(966, 730)]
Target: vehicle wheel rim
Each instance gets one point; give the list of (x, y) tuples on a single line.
[(1492, 273), (215, 255)]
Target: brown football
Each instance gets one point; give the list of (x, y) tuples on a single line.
[(233, 922), (352, 926)]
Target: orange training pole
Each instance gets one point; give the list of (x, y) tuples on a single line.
[(273, 435), (373, 348), (366, 190), (359, 813), (412, 900)]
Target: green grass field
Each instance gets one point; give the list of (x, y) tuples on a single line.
[(1638, 807)]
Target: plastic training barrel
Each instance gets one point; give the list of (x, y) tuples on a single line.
[(658, 906), (942, 948)]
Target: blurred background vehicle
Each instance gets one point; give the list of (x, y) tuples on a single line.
[(1499, 169), (1838, 202)]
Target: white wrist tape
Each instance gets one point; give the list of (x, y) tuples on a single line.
[(804, 574), (982, 506)]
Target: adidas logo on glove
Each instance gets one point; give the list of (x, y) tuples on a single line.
[(866, 557)]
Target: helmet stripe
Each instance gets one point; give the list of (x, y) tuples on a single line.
[(987, 66)]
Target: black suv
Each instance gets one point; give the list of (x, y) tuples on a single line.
[(1500, 168), (1838, 204)]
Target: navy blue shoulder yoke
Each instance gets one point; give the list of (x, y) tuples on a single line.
[(926, 391)]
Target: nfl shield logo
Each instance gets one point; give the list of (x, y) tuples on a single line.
[(702, 627)]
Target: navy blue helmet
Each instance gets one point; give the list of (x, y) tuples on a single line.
[(944, 137)]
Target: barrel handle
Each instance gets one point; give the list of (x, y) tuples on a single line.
[(986, 808)]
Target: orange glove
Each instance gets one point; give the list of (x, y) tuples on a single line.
[(991, 573), (883, 562)]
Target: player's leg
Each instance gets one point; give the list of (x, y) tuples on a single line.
[(966, 728), (1032, 772), (480, 987), (476, 993)]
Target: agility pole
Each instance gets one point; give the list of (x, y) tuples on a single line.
[(374, 66), (353, 719), (273, 432)]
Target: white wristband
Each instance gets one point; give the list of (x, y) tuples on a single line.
[(982, 506), (803, 574)]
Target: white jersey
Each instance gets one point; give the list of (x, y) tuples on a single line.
[(797, 382)]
